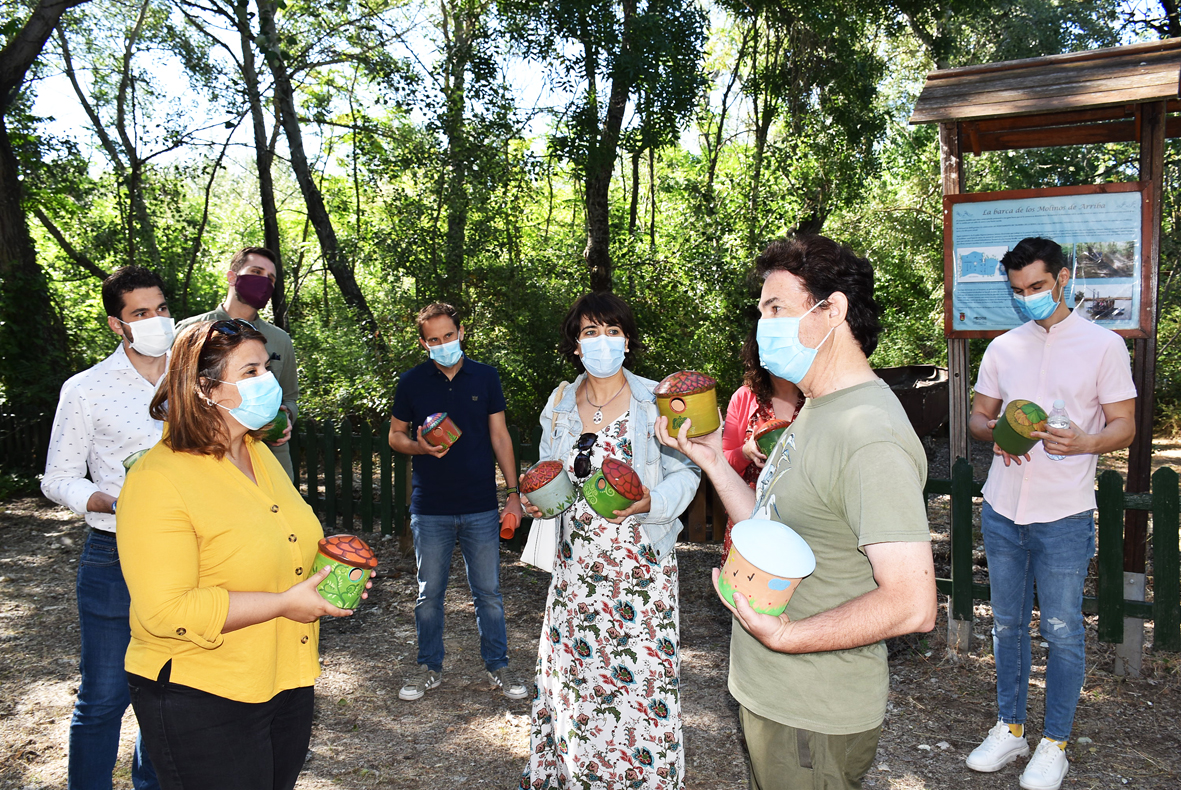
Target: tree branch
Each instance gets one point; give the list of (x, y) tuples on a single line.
[(78, 257), (24, 48)]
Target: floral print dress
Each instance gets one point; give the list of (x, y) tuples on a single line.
[(607, 712)]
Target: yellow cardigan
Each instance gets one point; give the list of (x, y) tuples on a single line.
[(190, 529)]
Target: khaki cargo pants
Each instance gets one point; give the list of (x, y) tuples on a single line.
[(785, 758)]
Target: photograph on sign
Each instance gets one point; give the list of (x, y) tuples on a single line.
[(1101, 237)]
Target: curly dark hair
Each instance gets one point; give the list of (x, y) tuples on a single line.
[(754, 375), (826, 267), (602, 308)]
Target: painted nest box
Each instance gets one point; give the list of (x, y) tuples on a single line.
[(767, 435), (615, 486), (548, 487), (440, 430), (689, 395), (1015, 424), (351, 560), (275, 431), (766, 562)]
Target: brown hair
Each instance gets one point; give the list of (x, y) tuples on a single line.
[(239, 259), (434, 311), (197, 364), (754, 375)]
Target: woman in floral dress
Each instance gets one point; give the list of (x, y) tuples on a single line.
[(607, 712)]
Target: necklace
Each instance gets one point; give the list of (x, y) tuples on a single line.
[(598, 418)]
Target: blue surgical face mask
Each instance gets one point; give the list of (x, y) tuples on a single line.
[(1037, 306), (780, 349), (602, 356), (446, 354), (261, 397)]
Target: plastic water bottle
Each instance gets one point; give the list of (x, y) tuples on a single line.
[(1057, 419)]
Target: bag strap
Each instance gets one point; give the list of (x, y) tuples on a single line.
[(553, 419)]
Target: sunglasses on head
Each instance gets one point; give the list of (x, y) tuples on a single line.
[(584, 445), (228, 327)]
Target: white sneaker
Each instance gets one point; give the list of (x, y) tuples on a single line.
[(1047, 769), (511, 687), (1000, 748), (420, 683)]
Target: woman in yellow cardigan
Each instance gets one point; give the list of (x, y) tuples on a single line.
[(217, 548)]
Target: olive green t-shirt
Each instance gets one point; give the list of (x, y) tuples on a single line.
[(848, 473)]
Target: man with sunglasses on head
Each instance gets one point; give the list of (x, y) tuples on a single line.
[(454, 496), (101, 423), (251, 277)]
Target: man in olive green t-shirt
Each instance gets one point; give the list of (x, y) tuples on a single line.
[(848, 477), (251, 276)]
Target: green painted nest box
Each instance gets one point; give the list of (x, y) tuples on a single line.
[(1013, 428)]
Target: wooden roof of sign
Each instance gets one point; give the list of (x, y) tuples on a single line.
[(1069, 99)]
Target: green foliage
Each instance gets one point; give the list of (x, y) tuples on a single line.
[(443, 183), (16, 484)]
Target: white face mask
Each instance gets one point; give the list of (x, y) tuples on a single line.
[(152, 337)]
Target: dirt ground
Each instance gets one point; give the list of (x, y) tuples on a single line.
[(465, 735)]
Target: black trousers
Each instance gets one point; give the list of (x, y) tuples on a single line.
[(200, 741)]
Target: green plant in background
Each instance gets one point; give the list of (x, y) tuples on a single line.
[(16, 484)]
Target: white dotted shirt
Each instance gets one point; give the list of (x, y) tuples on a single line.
[(102, 417)]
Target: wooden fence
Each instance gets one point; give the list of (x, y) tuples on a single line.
[(1109, 603), (24, 440), (355, 482)]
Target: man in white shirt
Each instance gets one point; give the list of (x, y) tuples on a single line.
[(101, 421)]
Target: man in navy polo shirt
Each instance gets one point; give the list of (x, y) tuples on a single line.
[(455, 494)]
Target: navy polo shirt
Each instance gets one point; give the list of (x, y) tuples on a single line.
[(464, 480)]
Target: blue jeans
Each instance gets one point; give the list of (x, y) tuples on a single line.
[(103, 609), (1056, 556), (479, 540)]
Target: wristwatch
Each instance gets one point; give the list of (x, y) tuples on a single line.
[(113, 503), (513, 490)]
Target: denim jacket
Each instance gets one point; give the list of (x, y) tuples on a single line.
[(671, 478)]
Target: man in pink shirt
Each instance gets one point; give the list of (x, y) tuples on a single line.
[(1038, 521)]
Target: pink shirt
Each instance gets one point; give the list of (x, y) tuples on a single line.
[(734, 433), (1078, 362)]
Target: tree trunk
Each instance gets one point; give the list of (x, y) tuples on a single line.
[(263, 158), (601, 163), (129, 171), (714, 147), (317, 211), (458, 30), (633, 212), (34, 352), (1172, 21)]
